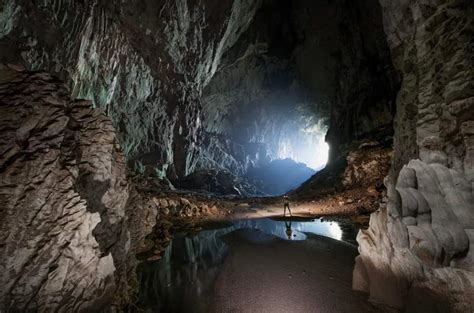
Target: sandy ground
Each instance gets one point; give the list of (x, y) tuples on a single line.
[(358, 202), (306, 209), (266, 274), (263, 274)]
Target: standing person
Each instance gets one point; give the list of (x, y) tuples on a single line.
[(286, 205)]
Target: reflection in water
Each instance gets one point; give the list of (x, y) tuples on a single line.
[(298, 228), (183, 280), (289, 231)]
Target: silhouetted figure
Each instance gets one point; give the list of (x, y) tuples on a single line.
[(286, 205), (289, 231)]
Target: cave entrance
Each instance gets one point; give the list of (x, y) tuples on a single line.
[(302, 152), (308, 147), (267, 108)]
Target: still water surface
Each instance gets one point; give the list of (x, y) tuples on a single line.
[(183, 280)]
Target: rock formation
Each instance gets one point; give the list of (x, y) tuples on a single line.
[(367, 165), (145, 63), (63, 192), (417, 254), (73, 222)]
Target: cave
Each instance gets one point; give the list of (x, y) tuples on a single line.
[(237, 156)]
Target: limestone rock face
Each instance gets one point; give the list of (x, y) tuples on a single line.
[(366, 82), (418, 251), (73, 221), (144, 62), (63, 194)]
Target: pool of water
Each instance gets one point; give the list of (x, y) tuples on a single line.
[(292, 229), (183, 280)]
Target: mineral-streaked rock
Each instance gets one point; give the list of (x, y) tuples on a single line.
[(417, 254)]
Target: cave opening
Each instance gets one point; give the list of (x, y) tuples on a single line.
[(302, 152), (266, 109)]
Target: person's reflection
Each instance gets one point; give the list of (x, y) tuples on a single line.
[(289, 231)]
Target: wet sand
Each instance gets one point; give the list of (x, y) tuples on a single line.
[(265, 274)]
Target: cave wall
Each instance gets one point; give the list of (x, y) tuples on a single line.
[(417, 254), (75, 222), (366, 82), (63, 189), (146, 63)]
